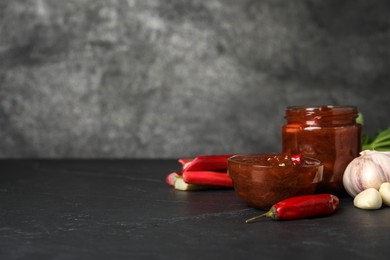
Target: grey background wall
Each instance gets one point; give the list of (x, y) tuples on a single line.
[(177, 78)]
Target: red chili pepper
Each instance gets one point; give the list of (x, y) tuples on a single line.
[(201, 172), (298, 207), (208, 178), (208, 163), (184, 163)]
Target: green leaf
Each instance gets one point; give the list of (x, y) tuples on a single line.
[(360, 119), (381, 142)]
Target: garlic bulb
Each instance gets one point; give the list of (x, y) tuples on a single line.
[(369, 170)]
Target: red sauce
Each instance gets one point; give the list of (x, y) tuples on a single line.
[(265, 179), (329, 134)]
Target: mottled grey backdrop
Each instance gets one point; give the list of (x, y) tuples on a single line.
[(177, 78)]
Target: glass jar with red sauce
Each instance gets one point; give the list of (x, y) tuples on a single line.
[(327, 133)]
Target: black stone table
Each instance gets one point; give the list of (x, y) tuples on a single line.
[(123, 209)]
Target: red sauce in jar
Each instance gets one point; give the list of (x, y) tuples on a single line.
[(327, 133)]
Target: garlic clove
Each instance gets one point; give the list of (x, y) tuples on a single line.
[(384, 191), (368, 199)]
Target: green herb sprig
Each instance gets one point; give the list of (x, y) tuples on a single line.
[(380, 142)]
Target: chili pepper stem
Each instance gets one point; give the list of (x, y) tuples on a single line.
[(269, 214)]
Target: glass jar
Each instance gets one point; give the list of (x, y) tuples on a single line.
[(327, 133)]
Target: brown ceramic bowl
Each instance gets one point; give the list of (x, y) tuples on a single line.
[(265, 179)]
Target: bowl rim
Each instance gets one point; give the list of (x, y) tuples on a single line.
[(233, 159)]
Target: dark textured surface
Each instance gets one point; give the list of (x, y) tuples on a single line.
[(148, 78), (123, 209)]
